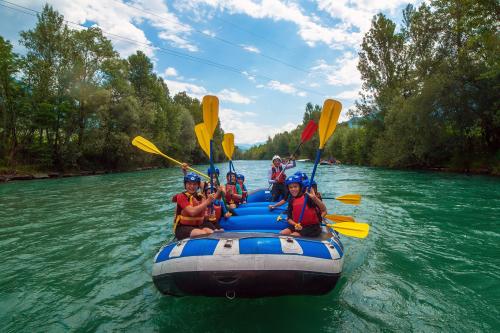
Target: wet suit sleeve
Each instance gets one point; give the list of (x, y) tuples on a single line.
[(238, 189), (289, 210)]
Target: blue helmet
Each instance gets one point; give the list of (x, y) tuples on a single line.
[(307, 183), (302, 175), (192, 177), (240, 176), (209, 171), (294, 179)]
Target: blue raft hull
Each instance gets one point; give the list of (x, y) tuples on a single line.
[(250, 259)]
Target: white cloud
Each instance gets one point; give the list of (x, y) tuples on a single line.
[(247, 131), (119, 19), (342, 72), (284, 88), (170, 71), (209, 33), (231, 95), (191, 89), (250, 48), (348, 94), (249, 76)]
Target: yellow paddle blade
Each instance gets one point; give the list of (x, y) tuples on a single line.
[(228, 145), (201, 134), (340, 218), (145, 145), (149, 147), (358, 230), (350, 199), (210, 113), (328, 120)]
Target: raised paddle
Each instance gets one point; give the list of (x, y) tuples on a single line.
[(358, 230), (306, 135), (228, 147), (349, 199), (210, 105), (327, 124), (339, 218), (149, 147), (202, 135)]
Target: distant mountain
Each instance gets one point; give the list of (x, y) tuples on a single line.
[(246, 146)]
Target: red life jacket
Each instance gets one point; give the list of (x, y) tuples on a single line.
[(232, 198), (182, 217), (311, 215), (218, 213), (244, 193), (277, 174)]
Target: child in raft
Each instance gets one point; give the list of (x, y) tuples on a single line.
[(191, 209), (240, 178), (233, 191), (285, 199), (215, 211), (310, 226)]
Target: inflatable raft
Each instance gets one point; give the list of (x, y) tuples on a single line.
[(250, 259)]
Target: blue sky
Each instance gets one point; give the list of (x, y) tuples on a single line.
[(280, 54)]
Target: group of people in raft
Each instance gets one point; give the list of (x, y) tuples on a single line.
[(201, 205)]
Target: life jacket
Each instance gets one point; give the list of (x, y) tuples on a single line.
[(182, 217), (278, 174), (232, 198), (312, 215), (217, 209), (244, 191)]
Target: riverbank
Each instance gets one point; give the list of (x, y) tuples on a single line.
[(35, 175)]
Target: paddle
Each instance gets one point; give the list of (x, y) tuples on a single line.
[(327, 124), (349, 199), (306, 135), (358, 230), (202, 135), (149, 147), (339, 218), (228, 147), (210, 106)]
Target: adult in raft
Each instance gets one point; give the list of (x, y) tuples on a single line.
[(277, 177), (310, 226), (191, 209)]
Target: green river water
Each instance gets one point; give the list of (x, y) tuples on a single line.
[(76, 255)]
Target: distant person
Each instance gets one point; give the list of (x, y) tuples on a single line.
[(285, 199), (310, 226), (240, 178), (217, 210), (233, 190), (276, 177), (191, 209)]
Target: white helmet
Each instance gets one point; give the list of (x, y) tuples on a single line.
[(276, 157)]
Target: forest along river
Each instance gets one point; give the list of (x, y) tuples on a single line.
[(77, 255)]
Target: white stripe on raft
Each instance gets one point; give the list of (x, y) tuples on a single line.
[(248, 262)]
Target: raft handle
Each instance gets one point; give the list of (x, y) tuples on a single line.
[(230, 294)]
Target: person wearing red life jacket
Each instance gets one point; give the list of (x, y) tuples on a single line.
[(276, 177), (233, 190), (310, 226), (284, 200), (217, 210), (240, 178), (190, 210)]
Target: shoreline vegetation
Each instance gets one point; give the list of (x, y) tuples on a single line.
[(430, 100), (37, 175)]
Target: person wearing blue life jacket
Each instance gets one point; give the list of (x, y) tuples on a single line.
[(276, 176), (191, 210), (283, 201), (240, 178), (217, 210), (310, 226)]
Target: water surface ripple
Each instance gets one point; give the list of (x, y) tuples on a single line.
[(77, 256)]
